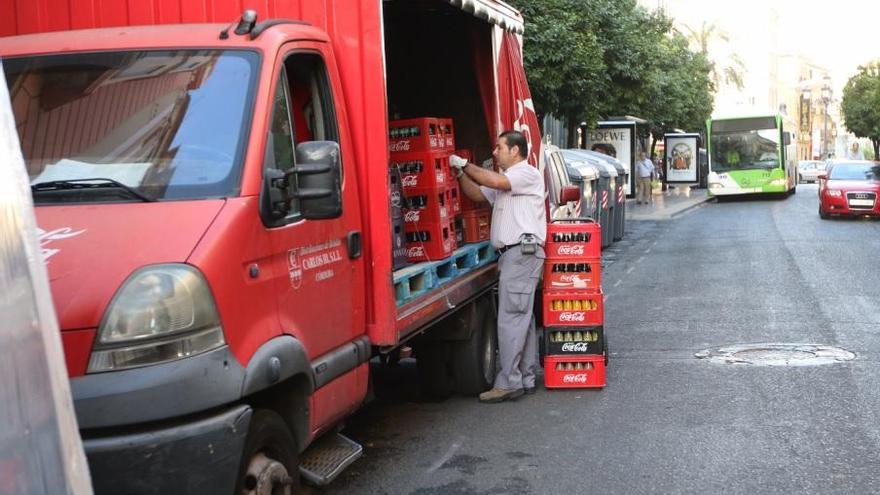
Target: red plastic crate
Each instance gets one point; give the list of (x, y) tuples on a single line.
[(427, 205), (456, 197), (476, 225), (560, 308), (590, 375), (467, 154), (578, 341), (423, 169), (423, 134), (573, 240), (430, 241), (573, 274)]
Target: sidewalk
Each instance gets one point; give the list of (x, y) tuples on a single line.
[(667, 204)]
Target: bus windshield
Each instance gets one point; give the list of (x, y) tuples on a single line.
[(160, 125), (745, 150)]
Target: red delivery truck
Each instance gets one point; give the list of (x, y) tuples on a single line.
[(211, 185)]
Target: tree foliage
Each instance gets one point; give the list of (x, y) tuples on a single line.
[(590, 59), (861, 104)]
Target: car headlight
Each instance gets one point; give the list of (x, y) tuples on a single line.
[(835, 193), (161, 313)]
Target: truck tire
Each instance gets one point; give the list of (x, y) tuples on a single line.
[(432, 361), (269, 461), (474, 360)]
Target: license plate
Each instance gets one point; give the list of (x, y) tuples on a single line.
[(861, 202)]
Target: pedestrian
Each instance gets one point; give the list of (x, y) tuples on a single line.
[(519, 228), (855, 153), (645, 173)]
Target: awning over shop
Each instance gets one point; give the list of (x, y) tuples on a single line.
[(493, 11)]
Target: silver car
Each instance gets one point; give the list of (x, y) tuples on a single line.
[(808, 170)]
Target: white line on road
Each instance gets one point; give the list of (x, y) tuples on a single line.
[(448, 455), (641, 258), (617, 283), (630, 270), (648, 251)]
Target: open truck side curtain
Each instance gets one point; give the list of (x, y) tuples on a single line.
[(214, 210)]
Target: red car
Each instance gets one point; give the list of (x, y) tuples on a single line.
[(849, 188)]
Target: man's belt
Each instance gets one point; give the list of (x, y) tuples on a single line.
[(504, 249)]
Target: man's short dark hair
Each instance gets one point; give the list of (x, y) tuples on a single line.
[(516, 138)]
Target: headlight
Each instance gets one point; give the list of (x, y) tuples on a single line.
[(835, 193), (162, 313)]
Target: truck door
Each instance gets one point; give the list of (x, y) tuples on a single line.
[(319, 278)]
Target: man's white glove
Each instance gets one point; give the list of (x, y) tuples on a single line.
[(457, 163)]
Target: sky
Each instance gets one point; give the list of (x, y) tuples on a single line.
[(839, 35)]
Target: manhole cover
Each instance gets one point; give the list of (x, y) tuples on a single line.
[(777, 354)]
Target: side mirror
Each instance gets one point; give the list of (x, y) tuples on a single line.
[(318, 174), (823, 175), (569, 193)]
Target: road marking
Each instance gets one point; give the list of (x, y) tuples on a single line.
[(617, 283), (630, 270), (448, 455), (641, 258), (648, 251)]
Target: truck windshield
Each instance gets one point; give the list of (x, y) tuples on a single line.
[(745, 150), (159, 125)]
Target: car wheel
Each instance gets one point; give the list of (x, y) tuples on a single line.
[(269, 462), (822, 214)]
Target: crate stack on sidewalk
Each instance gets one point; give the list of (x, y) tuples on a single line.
[(472, 219), (573, 309), (420, 150)]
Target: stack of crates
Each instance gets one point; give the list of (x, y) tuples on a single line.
[(472, 219), (420, 150), (398, 236), (573, 308)]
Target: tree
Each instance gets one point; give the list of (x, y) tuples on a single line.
[(727, 71), (861, 104)]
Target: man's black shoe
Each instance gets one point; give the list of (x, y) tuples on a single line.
[(530, 390)]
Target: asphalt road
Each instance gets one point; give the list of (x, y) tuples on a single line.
[(767, 271)]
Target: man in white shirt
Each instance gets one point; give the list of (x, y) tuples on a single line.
[(644, 174), (519, 228), (855, 153)]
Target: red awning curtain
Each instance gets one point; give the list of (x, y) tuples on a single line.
[(515, 100)]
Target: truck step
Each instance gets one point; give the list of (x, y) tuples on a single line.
[(325, 459)]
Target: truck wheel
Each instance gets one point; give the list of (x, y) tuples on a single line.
[(432, 361), (474, 359), (269, 464)]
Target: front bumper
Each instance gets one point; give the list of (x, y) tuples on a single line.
[(201, 455)]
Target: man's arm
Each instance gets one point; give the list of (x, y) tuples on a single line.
[(485, 177), (471, 189)]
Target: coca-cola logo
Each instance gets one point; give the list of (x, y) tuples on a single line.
[(571, 278), (416, 251), (399, 146), (409, 181), (579, 316), (412, 216), (443, 212), (440, 177), (574, 347), (574, 378), (571, 250), (434, 142)]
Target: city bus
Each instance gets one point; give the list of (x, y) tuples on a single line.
[(750, 155)]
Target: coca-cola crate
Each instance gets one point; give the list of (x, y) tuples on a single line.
[(573, 274), (427, 205), (568, 308), (574, 371), (582, 239), (476, 225), (395, 194), (428, 169), (430, 241), (564, 341), (458, 224), (398, 244), (467, 154), (455, 191), (423, 134)]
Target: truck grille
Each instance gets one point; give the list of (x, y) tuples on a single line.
[(861, 200)]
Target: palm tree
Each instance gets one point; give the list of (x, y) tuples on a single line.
[(728, 71)]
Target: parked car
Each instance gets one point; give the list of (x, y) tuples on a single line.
[(808, 170), (849, 188)]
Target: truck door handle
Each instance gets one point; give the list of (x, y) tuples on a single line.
[(354, 244)]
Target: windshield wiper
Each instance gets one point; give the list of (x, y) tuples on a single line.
[(94, 183)]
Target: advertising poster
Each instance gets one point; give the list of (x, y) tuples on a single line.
[(681, 158), (619, 141)]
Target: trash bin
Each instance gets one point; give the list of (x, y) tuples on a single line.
[(586, 177), (604, 191), (619, 193)]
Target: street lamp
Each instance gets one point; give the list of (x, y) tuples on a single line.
[(806, 123), (826, 99)]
